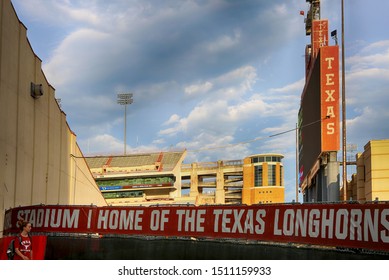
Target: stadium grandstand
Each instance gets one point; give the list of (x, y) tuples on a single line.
[(146, 178), (163, 178)]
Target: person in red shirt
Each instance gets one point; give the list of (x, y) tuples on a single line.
[(23, 244)]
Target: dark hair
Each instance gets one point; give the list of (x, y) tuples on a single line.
[(22, 223)]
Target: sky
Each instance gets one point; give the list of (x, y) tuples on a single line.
[(208, 76)]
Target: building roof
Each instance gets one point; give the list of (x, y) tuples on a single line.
[(267, 155), (168, 160)]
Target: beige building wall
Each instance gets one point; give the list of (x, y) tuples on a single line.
[(40, 161), (253, 194), (376, 158), (372, 178)]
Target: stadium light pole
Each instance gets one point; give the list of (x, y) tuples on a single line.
[(297, 163), (125, 99), (344, 163)]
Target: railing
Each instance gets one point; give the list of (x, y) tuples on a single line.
[(211, 165)]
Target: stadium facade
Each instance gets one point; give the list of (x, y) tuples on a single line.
[(162, 178)]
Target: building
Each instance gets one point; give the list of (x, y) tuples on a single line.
[(147, 178), (218, 182), (263, 179), (162, 178), (40, 161), (371, 182)]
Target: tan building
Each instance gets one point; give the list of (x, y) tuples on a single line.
[(371, 181), (162, 178), (263, 179), (139, 179), (217, 182), (40, 161)]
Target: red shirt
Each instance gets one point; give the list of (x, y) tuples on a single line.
[(25, 246)]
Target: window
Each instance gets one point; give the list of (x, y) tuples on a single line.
[(271, 176), (276, 159), (257, 159), (281, 170), (258, 176)]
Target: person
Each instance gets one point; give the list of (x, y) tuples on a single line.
[(23, 242)]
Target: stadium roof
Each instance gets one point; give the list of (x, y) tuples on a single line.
[(167, 159)]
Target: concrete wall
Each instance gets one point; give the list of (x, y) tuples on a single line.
[(40, 161)]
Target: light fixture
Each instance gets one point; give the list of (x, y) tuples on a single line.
[(125, 99), (36, 90), (334, 36)]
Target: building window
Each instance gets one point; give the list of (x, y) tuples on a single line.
[(257, 159), (281, 177), (271, 175), (258, 176)]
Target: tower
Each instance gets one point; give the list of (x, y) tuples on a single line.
[(263, 179), (318, 119)]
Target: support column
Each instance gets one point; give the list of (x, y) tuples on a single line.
[(194, 181), (360, 178), (248, 181), (220, 196), (322, 184), (333, 186)]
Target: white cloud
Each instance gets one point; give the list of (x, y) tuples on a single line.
[(368, 77), (223, 42), (61, 12), (78, 14), (212, 120), (101, 144), (105, 144), (291, 88), (173, 119), (255, 106), (198, 88), (77, 57)]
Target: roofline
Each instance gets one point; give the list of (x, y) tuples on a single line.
[(138, 154), (267, 154)]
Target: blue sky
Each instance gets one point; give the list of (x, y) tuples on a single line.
[(204, 74)]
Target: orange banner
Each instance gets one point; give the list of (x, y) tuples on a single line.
[(329, 87), (319, 35)]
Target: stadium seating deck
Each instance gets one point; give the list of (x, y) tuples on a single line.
[(168, 159)]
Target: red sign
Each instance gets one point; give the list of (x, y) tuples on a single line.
[(319, 35), (341, 225), (329, 87)]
